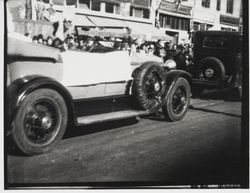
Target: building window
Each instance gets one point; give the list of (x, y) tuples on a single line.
[(70, 2), (109, 8), (84, 4), (171, 22), (58, 2), (139, 12), (230, 4), (112, 8), (96, 5), (218, 5), (46, 1), (205, 3)]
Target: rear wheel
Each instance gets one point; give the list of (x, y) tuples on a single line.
[(40, 122), (178, 101), (149, 86), (212, 69)]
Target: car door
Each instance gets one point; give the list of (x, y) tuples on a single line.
[(88, 75)]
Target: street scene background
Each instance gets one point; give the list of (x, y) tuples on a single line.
[(205, 148)]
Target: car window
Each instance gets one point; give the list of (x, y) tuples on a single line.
[(218, 42)]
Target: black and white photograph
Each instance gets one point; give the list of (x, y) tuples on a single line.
[(125, 94)]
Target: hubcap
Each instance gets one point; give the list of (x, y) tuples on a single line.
[(41, 121), (46, 122), (157, 86), (209, 73)]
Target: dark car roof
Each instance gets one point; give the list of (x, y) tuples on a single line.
[(218, 33)]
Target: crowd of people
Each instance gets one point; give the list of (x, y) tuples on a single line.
[(164, 49)]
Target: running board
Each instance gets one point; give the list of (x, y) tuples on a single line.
[(85, 120)]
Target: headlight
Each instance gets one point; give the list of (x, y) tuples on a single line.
[(170, 64)]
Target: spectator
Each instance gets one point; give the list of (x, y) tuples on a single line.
[(40, 8), (151, 49), (50, 41), (81, 45), (40, 39), (57, 43), (34, 39), (160, 49), (28, 34)]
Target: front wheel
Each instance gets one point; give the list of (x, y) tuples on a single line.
[(40, 122), (178, 101)]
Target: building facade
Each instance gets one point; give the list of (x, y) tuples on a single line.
[(216, 15), (175, 17), (137, 15), (173, 20)]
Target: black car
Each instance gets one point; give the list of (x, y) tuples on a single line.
[(217, 60)]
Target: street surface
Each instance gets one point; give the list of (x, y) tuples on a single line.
[(203, 148)]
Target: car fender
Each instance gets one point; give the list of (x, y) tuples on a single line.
[(20, 88), (171, 78)]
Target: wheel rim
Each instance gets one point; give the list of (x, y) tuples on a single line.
[(41, 122), (179, 101), (209, 74), (153, 86)]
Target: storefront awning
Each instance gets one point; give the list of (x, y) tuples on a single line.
[(147, 32), (140, 30), (159, 34), (106, 22), (82, 20)]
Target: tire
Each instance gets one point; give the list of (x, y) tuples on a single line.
[(178, 101), (211, 69), (40, 121), (148, 86)]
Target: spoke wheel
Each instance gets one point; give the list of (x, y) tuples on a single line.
[(40, 121), (148, 86), (178, 101)]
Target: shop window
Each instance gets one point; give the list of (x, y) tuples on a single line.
[(208, 26), (96, 5), (217, 42), (70, 2), (205, 3), (46, 1), (196, 26), (218, 5), (203, 27), (58, 2), (230, 4), (172, 22), (162, 22), (84, 4), (168, 22)]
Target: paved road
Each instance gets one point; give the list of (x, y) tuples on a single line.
[(203, 148)]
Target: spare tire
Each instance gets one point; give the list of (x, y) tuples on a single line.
[(211, 69), (149, 86)]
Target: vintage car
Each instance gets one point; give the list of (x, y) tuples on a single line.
[(217, 60), (47, 90)]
